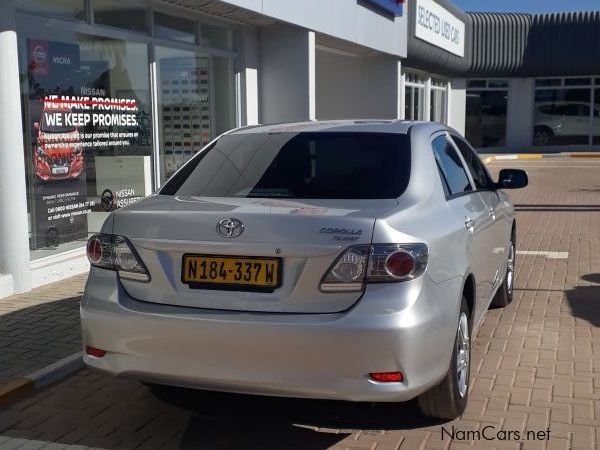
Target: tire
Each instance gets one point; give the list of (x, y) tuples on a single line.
[(542, 136), (448, 399), (504, 295)]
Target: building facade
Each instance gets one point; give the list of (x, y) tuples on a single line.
[(102, 100)]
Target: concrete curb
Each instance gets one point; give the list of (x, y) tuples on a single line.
[(534, 156), (42, 377)]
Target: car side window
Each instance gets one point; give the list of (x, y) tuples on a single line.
[(452, 171), (478, 171)]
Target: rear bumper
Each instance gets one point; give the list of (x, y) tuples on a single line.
[(326, 356)]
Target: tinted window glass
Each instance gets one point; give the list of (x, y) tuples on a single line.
[(476, 83), (486, 117), (120, 14), (299, 165), (478, 171), (451, 168), (175, 28), (498, 83), (578, 81), (548, 82), (68, 9)]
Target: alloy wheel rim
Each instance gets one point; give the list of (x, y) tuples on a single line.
[(463, 355), (510, 270), (542, 138)]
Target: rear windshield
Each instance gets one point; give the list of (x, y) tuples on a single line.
[(298, 165)]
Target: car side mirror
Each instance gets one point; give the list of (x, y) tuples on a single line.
[(512, 179)]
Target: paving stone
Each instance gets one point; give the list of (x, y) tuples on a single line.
[(43, 327), (536, 363)]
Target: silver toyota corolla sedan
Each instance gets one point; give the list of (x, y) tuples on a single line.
[(345, 260)]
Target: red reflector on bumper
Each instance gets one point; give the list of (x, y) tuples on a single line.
[(96, 352), (387, 377)]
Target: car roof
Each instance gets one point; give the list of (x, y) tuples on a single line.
[(339, 126)]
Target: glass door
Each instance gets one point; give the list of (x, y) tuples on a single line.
[(184, 107), (414, 102)]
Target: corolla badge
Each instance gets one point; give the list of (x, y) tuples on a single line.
[(343, 234), (350, 231), (230, 227)]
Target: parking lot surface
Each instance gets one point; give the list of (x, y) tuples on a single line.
[(536, 365)]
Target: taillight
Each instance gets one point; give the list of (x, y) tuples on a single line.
[(377, 263), (94, 250), (116, 253), (99, 251), (397, 262), (348, 272)]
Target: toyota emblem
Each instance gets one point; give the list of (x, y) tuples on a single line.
[(230, 228)]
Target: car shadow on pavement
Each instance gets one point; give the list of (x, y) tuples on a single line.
[(556, 207), (584, 301), (36, 336), (222, 420)]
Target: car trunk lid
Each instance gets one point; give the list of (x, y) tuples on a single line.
[(306, 236)]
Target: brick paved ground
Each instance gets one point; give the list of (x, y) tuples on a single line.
[(39, 328), (536, 365)]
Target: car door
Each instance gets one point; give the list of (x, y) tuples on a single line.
[(469, 207), (498, 224), (577, 122)]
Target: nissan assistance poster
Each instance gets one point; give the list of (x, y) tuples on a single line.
[(58, 176), (73, 118)]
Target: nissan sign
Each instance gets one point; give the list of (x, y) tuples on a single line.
[(393, 7)]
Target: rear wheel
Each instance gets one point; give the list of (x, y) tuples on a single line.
[(448, 399), (542, 136), (504, 295)]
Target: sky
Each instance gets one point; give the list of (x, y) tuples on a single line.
[(531, 6)]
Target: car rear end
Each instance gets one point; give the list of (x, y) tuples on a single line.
[(253, 270)]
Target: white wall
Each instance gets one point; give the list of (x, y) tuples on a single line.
[(14, 239), (457, 107), (344, 19), (247, 66), (356, 87), (519, 121), (286, 74)]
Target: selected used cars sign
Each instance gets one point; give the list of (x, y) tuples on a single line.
[(438, 26)]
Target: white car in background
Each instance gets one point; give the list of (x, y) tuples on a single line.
[(564, 119)]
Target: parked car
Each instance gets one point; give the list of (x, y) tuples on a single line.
[(345, 260), (58, 153), (563, 119)]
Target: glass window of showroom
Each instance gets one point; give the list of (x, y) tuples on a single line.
[(94, 142), (487, 105), (414, 97), (567, 111), (438, 101)]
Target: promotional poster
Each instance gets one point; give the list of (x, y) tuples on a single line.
[(58, 176), (73, 117)]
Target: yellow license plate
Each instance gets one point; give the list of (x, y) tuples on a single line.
[(233, 271)]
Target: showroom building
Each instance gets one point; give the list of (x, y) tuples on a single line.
[(102, 100)]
